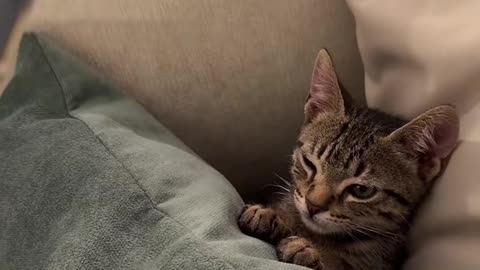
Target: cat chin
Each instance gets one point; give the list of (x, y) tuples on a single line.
[(319, 225)]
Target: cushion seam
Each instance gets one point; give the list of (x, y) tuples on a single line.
[(143, 190)]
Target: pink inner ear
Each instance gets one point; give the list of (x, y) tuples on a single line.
[(445, 136), (322, 100), (325, 96), (322, 93), (433, 133)]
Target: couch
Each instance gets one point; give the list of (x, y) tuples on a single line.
[(230, 78)]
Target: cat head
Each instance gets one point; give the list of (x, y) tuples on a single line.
[(360, 170)]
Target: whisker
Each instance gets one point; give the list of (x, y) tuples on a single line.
[(278, 186), (364, 249), (283, 194), (284, 180), (371, 252), (369, 230), (378, 231), (405, 220)]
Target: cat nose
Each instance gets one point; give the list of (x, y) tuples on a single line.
[(318, 198), (314, 209)]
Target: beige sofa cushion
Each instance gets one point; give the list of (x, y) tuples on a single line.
[(419, 54), (228, 77)]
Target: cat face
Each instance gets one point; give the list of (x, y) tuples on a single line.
[(360, 170)]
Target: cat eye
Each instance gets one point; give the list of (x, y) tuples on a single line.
[(310, 165), (362, 192)]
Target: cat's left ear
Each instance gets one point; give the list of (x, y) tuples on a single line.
[(325, 96), (432, 137)]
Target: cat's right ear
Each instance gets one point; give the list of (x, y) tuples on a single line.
[(431, 137), (325, 96)]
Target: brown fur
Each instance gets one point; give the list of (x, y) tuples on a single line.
[(357, 177)]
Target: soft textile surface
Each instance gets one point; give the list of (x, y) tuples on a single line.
[(88, 180), (229, 78), (12, 23), (419, 54)]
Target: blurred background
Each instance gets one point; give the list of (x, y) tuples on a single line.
[(227, 77)]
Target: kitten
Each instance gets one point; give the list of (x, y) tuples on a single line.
[(358, 176)]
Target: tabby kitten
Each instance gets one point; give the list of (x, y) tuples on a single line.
[(358, 175)]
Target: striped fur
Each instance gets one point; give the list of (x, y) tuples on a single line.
[(358, 175)]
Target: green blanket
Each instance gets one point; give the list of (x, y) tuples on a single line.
[(89, 180)]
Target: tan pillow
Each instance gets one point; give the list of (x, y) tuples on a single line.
[(418, 54), (228, 77)]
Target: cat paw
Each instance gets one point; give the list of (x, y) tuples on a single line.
[(261, 222), (300, 251)]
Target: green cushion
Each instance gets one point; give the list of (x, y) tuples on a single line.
[(89, 180)]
